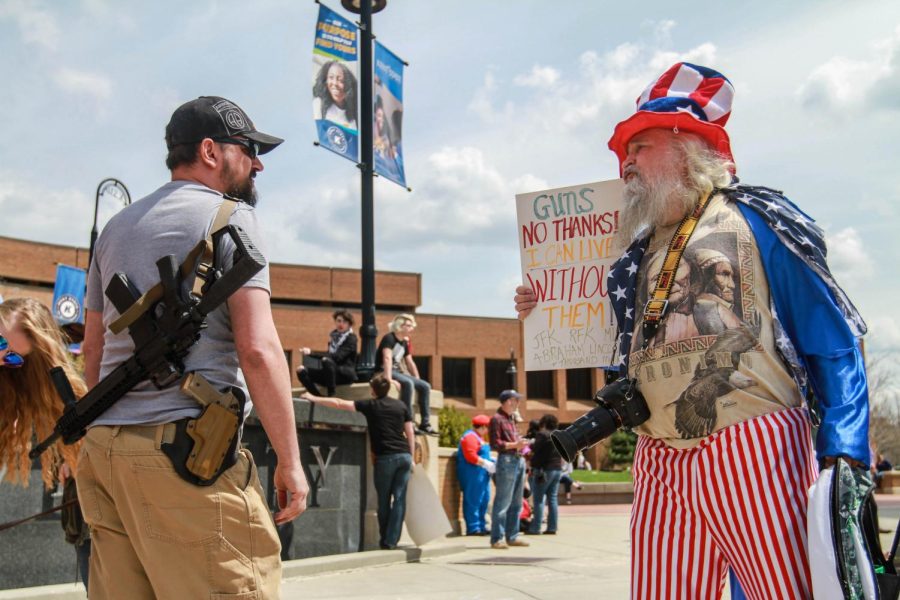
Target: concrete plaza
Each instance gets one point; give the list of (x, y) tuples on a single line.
[(588, 558)]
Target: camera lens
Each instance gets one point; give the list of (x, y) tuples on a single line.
[(586, 431)]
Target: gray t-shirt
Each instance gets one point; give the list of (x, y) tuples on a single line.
[(171, 220)]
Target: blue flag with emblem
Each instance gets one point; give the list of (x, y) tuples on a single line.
[(68, 295)]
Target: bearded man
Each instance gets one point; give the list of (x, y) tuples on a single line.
[(736, 496), (154, 534)]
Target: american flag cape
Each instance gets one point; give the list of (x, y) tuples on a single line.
[(793, 228)]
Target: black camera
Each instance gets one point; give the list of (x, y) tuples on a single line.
[(619, 406)]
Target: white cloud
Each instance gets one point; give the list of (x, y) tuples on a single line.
[(604, 87), (482, 103), (464, 199), (83, 83), (842, 82), (36, 25), (464, 202), (30, 210), (848, 259), (884, 334), (538, 77), (662, 30)]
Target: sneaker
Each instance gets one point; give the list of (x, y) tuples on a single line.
[(427, 430), (532, 532), (501, 545), (549, 533), (519, 542)]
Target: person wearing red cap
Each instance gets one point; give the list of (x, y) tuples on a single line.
[(474, 467), (724, 461)]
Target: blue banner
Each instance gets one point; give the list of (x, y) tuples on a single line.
[(68, 295), (388, 115), (335, 88)]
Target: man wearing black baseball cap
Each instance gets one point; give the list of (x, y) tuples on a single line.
[(155, 534), (223, 122)]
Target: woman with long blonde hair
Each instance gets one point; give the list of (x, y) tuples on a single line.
[(31, 343)]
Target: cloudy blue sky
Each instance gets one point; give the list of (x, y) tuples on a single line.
[(501, 97)]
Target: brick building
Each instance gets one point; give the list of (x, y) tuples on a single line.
[(465, 357)]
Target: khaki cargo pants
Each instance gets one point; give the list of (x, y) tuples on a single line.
[(156, 536)]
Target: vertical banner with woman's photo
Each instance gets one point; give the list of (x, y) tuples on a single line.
[(335, 89), (388, 115)]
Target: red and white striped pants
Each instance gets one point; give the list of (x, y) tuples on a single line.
[(737, 500)]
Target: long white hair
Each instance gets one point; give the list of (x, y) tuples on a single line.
[(692, 170)]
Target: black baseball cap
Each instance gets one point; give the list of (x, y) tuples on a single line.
[(214, 117)]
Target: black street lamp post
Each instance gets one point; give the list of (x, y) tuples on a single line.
[(511, 369), (368, 331), (108, 187)]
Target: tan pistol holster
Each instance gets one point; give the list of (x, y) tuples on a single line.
[(205, 447)]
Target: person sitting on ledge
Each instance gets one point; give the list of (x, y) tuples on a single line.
[(339, 364), (395, 353)]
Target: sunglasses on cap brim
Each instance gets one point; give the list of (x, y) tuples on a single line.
[(10, 359)]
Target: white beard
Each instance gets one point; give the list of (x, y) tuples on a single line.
[(648, 202)]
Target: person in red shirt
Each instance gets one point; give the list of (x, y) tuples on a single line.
[(474, 468)]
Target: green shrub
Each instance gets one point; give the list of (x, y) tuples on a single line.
[(452, 424), (621, 448)]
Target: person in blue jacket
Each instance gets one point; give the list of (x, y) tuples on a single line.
[(756, 345), (474, 467)]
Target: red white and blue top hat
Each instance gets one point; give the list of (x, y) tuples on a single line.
[(686, 98)]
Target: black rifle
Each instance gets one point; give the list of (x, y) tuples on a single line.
[(163, 335)]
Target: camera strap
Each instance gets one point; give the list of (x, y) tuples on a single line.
[(658, 304)]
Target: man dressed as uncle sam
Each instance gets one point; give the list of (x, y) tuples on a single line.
[(752, 320)]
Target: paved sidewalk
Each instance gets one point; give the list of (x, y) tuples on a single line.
[(589, 557)]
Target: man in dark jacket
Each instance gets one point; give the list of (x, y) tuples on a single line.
[(339, 363)]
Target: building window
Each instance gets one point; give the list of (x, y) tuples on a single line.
[(578, 384), (457, 377), (540, 384), (495, 378), (423, 364)]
